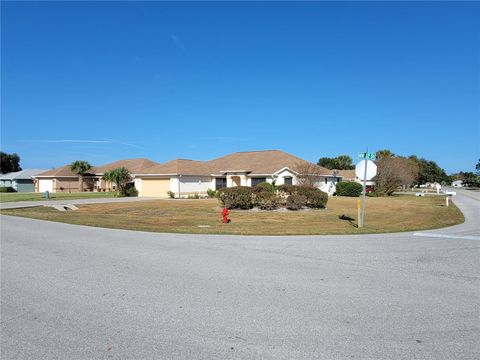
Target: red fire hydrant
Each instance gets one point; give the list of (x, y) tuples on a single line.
[(225, 214)]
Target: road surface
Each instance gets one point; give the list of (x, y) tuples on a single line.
[(74, 292)]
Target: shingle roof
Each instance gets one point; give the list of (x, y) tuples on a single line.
[(347, 174), (253, 162), (260, 162), (22, 174), (62, 171), (180, 166), (134, 166)]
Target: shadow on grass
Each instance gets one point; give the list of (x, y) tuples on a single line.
[(349, 219)]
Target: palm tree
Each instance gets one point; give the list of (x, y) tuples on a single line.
[(120, 177), (80, 167)]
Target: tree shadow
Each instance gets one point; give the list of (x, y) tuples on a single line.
[(350, 220)]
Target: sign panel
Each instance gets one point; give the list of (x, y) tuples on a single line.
[(371, 170), (367, 155)]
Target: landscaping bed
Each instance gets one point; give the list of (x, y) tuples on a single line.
[(386, 214)]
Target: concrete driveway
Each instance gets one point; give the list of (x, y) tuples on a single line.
[(74, 292)]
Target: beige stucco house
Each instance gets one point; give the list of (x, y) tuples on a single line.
[(188, 177)]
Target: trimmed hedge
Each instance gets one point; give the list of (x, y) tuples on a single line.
[(266, 200), (7, 189), (267, 187), (349, 188), (239, 197), (290, 196), (296, 202)]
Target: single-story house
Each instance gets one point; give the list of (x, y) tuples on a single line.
[(62, 179), (21, 181), (189, 177), (134, 166)]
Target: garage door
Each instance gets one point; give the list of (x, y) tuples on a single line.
[(45, 185), (155, 187)]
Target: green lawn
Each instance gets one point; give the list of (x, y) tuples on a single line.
[(10, 197)]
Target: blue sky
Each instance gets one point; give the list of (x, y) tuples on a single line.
[(106, 81)]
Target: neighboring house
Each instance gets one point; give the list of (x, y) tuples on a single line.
[(457, 183), (62, 179), (21, 181), (188, 177), (134, 166)]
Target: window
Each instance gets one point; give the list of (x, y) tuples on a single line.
[(288, 180), (256, 181), (220, 183)]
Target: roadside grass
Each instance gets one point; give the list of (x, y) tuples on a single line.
[(392, 214), (11, 197)]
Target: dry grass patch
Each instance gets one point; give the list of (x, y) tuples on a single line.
[(399, 213)]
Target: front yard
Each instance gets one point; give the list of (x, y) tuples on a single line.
[(398, 213), (11, 197)]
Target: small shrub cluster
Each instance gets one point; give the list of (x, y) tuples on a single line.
[(270, 197), (171, 194), (7, 189), (130, 191), (211, 193), (239, 197), (349, 188)]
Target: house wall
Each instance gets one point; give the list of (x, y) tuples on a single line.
[(280, 179), (6, 183)]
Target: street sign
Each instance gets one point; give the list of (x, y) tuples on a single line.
[(367, 155), (371, 170)]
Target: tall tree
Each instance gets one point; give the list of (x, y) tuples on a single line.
[(477, 167), (120, 177), (80, 167), (385, 153), (9, 163), (429, 171), (393, 173), (341, 162)]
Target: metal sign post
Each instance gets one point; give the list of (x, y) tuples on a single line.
[(365, 170)]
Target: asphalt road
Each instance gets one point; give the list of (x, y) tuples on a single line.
[(73, 292)]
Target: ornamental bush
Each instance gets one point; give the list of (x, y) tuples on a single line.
[(239, 197), (266, 186), (266, 200), (296, 202), (7, 189), (349, 188), (315, 198)]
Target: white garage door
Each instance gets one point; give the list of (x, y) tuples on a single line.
[(45, 185)]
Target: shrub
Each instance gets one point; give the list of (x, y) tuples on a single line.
[(130, 191), (211, 193), (267, 187), (349, 188), (239, 197), (266, 200), (286, 189), (315, 198), (7, 189), (296, 202), (171, 194)]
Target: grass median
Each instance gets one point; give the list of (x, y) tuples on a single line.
[(392, 214)]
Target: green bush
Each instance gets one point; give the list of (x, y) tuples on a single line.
[(130, 191), (211, 193), (296, 202), (266, 186), (266, 200), (239, 197), (315, 198), (7, 189), (171, 194), (349, 188), (287, 189)]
